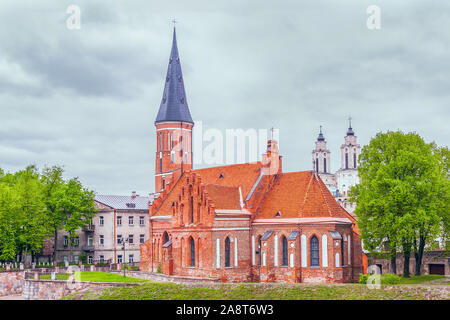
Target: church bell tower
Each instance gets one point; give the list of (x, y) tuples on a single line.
[(173, 127)]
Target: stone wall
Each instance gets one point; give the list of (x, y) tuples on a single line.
[(56, 289), (430, 257), (11, 282)]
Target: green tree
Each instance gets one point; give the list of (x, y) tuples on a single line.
[(53, 184), (78, 207), (402, 198), (8, 223)]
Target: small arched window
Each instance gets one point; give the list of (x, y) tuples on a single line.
[(227, 252), (314, 251), (192, 244), (284, 251), (165, 237)]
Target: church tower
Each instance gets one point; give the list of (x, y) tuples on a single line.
[(347, 176), (350, 150), (321, 161), (173, 127), (321, 155)]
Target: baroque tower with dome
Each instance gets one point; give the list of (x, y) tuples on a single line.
[(340, 182)]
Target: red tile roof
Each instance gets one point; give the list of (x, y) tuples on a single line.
[(224, 197), (294, 194), (299, 195), (244, 175)]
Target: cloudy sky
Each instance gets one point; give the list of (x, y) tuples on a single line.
[(86, 99)]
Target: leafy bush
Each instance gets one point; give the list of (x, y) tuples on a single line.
[(363, 278), (390, 278), (159, 269)]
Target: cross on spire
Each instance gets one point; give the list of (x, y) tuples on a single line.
[(349, 122), (271, 133), (174, 21)]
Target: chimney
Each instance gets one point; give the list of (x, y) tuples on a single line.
[(272, 159), (133, 194)]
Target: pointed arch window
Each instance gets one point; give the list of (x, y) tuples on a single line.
[(284, 251), (325, 165), (192, 245), (314, 251), (191, 209), (317, 164), (227, 252), (346, 160), (354, 160), (165, 237), (259, 250)]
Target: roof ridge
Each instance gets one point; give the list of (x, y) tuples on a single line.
[(319, 180), (306, 193), (228, 166)]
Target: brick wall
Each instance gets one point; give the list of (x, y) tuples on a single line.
[(11, 282)]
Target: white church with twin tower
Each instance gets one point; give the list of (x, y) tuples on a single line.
[(340, 182)]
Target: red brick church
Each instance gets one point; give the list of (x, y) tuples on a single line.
[(243, 222)]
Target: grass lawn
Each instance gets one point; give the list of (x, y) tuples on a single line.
[(95, 276), (253, 291), (420, 279)]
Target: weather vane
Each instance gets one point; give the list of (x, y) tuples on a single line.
[(174, 21), (350, 121)]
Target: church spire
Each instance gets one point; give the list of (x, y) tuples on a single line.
[(320, 137), (350, 130), (174, 105)]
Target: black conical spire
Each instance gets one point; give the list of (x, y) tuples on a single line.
[(174, 105), (320, 137)]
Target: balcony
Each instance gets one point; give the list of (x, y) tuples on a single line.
[(89, 228), (88, 248)]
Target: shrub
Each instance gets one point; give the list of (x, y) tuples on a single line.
[(390, 278), (159, 269), (363, 278)]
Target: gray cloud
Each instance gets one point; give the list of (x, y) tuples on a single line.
[(87, 98)]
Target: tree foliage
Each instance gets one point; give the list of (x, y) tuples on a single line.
[(34, 206), (402, 199)]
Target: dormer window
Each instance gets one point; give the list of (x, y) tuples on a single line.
[(131, 205), (222, 175), (278, 214)]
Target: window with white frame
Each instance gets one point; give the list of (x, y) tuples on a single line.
[(131, 220), (119, 258), (101, 221), (90, 240), (119, 220), (131, 239), (131, 258), (119, 239), (101, 239), (142, 221), (102, 259), (142, 238), (66, 241)]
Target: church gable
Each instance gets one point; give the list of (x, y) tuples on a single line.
[(191, 202)]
